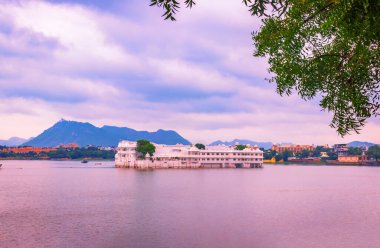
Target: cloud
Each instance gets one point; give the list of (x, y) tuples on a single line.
[(119, 63)]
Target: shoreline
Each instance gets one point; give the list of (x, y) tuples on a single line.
[(326, 164), (276, 164), (47, 159)]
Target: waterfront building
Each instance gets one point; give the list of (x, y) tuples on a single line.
[(324, 155), (293, 148), (341, 149), (186, 156), (69, 146), (364, 149), (107, 148), (305, 160), (355, 159)]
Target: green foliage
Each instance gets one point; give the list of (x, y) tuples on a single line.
[(80, 153), (286, 154), (303, 154), (355, 151), (240, 147), (324, 49), (278, 157), (374, 152), (200, 146), (145, 147), (170, 7), (328, 49), (319, 149), (256, 7), (269, 154), (332, 155)]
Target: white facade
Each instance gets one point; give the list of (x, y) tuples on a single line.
[(185, 156)]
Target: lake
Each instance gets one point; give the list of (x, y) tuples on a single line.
[(69, 204)]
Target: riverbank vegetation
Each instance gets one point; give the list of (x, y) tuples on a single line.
[(62, 154), (320, 152)]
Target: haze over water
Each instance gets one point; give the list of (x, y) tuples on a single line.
[(67, 204)]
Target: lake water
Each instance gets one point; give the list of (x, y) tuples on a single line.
[(69, 204)]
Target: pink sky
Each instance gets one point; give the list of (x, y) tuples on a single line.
[(122, 64)]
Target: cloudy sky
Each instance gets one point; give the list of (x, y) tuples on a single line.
[(119, 63)]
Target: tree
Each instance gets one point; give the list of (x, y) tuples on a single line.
[(303, 154), (355, 151), (286, 154), (200, 146), (278, 157), (145, 147), (240, 147), (332, 155), (269, 154), (374, 152), (319, 149), (326, 49)]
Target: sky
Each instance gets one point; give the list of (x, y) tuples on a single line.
[(119, 63)]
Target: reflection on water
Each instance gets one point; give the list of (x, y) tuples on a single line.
[(69, 204)]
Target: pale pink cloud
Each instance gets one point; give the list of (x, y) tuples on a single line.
[(86, 64)]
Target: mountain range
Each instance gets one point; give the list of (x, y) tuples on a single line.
[(84, 133), (65, 132), (265, 145), (268, 145), (360, 143), (14, 141)]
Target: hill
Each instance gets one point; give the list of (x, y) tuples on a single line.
[(14, 141), (64, 132), (265, 145), (360, 143)]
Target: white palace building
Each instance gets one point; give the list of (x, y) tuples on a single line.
[(186, 156)]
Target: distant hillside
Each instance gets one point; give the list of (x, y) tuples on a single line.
[(64, 132), (14, 141), (265, 145), (360, 143)]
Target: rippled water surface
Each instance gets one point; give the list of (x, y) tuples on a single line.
[(69, 204)]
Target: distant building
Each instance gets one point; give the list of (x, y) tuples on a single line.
[(341, 149), (293, 148), (352, 158), (28, 149), (324, 155), (71, 145), (186, 156), (364, 149), (106, 148), (304, 160)]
